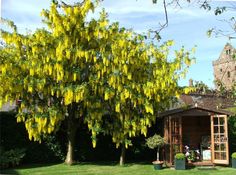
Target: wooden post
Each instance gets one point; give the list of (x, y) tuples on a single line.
[(227, 142), (180, 134), (166, 139), (212, 138), (170, 137), (166, 127)]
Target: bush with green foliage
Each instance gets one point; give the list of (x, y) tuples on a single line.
[(155, 141), (180, 156), (232, 132), (53, 144), (233, 155), (11, 158), (14, 135)]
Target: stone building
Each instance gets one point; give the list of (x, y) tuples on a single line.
[(225, 67)]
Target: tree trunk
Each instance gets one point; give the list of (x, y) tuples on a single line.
[(157, 154), (71, 132), (122, 156)]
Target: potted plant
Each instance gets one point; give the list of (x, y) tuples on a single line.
[(191, 158), (156, 142), (233, 160), (180, 161)]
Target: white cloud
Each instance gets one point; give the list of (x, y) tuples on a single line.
[(187, 26), (146, 6)]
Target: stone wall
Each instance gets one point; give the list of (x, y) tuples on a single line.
[(225, 67)]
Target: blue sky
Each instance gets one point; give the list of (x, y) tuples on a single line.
[(187, 26)]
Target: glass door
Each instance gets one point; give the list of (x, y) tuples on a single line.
[(219, 139), (175, 129)]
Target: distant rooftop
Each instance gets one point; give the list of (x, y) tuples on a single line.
[(8, 107)]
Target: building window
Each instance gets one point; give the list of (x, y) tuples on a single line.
[(228, 52), (228, 73)]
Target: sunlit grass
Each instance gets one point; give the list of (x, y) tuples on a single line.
[(111, 169)]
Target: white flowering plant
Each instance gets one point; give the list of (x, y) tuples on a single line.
[(190, 155)]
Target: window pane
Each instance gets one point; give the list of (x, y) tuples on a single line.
[(217, 155), (223, 138), (223, 156), (222, 147), (222, 120), (175, 139), (222, 129), (215, 120), (216, 138), (216, 129), (217, 147), (176, 148)]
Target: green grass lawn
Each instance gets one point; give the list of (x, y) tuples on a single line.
[(111, 169)]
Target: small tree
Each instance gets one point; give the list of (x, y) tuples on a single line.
[(155, 141)]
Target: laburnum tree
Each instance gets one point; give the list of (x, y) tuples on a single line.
[(82, 70), (142, 84)]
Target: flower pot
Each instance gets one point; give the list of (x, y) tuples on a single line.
[(157, 165), (180, 164), (233, 163)]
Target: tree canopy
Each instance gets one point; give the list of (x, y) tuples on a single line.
[(86, 70)]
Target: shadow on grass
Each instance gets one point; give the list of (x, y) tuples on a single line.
[(8, 171), (103, 163), (28, 166), (112, 163), (190, 167)]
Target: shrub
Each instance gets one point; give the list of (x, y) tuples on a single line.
[(11, 157), (233, 155), (35, 152), (52, 143), (180, 156), (155, 141)]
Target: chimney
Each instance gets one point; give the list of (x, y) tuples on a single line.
[(190, 83)]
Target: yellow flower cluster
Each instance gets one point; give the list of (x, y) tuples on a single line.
[(87, 64), (68, 96)]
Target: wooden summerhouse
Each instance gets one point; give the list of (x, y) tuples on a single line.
[(200, 131)]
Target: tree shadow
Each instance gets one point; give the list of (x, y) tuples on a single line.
[(112, 163), (28, 166), (9, 171), (100, 163)]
